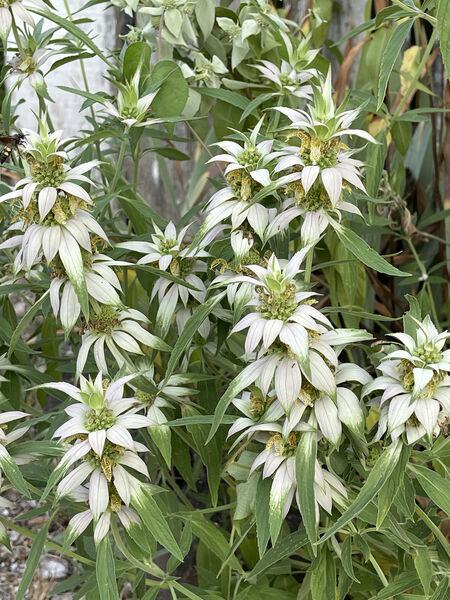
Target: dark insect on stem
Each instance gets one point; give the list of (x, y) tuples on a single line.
[(10, 142)]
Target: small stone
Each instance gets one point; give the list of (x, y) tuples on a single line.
[(53, 568)]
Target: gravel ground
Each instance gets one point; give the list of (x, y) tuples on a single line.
[(52, 568)]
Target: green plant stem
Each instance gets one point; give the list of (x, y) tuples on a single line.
[(86, 87), (308, 268), (426, 283), (119, 163), (379, 570), (434, 528)]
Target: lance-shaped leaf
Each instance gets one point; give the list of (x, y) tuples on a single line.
[(28, 316), (189, 330), (378, 476), (367, 255), (12, 472), (105, 569), (305, 462), (156, 523), (390, 55)]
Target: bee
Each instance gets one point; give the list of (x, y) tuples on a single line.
[(10, 142)]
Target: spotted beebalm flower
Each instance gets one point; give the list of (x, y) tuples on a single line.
[(278, 458), (50, 179), (28, 67), (226, 203), (18, 9), (287, 79), (102, 286), (415, 382), (132, 108), (164, 247), (294, 337), (266, 17), (205, 72), (238, 36), (247, 162), (425, 352), (121, 332), (316, 208), (175, 17), (331, 414), (260, 414), (324, 163), (99, 414), (107, 477), (98, 434), (63, 234), (177, 257)]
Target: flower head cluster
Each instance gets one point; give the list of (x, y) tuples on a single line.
[(296, 341), (179, 259), (98, 435), (247, 162), (18, 9), (415, 382), (288, 81), (102, 285), (53, 211), (204, 71), (278, 461), (175, 19), (323, 161), (121, 332), (132, 108)]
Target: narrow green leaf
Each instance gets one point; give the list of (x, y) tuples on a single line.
[(32, 561), (211, 456), (403, 582), (443, 27), (424, 567), (367, 255), (105, 570), (156, 523), (323, 576), (390, 55), (255, 103), (262, 513), (163, 274), (27, 317), (442, 589), (378, 476), (191, 327), (436, 487), (305, 462), (212, 536), (227, 96), (74, 30), (346, 558), (284, 547), (390, 489)]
